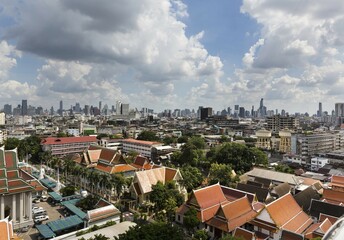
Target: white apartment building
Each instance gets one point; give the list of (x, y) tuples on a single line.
[(2, 118), (318, 162), (309, 145), (142, 147)]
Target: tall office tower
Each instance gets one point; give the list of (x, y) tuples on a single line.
[(118, 107), (87, 110), (252, 111), (77, 108), (8, 109), (24, 107), (242, 112), (236, 111), (339, 109), (283, 113), (320, 111), (61, 108), (52, 111), (100, 107), (229, 110), (125, 109), (206, 112)]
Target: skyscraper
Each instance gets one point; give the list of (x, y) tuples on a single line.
[(24, 107), (118, 107), (320, 111), (8, 109), (339, 109), (61, 108), (100, 107)]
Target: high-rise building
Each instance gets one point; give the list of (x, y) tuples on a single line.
[(242, 112), (8, 109), (206, 112), (339, 109), (320, 111), (61, 108), (100, 107), (24, 107), (125, 109), (118, 107), (278, 122)]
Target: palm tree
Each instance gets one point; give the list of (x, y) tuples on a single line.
[(118, 182)]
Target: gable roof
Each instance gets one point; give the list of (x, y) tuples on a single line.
[(281, 189), (261, 193), (318, 207), (10, 181), (146, 179), (208, 196), (273, 176), (232, 194), (234, 214), (288, 215), (337, 181), (305, 197), (332, 196)]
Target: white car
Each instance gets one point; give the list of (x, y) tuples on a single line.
[(44, 198), (41, 218), (34, 209)]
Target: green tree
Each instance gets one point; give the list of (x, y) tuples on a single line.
[(88, 202), (284, 168), (190, 219), (198, 142), (67, 191), (220, 173), (153, 231), (183, 139), (239, 156), (158, 195), (230, 237), (148, 136), (11, 143), (192, 177), (169, 140), (201, 235), (102, 135)]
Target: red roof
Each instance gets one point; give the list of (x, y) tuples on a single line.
[(64, 140)]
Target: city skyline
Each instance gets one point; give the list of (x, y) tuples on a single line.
[(173, 54)]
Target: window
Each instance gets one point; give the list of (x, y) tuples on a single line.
[(178, 217), (211, 229)]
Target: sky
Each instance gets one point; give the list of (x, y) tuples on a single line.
[(171, 54)]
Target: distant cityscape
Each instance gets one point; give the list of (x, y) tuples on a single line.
[(122, 109)]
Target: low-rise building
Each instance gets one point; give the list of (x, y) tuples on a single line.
[(67, 145), (142, 147), (318, 162)]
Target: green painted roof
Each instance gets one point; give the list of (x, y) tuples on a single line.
[(55, 196), (77, 211), (48, 183), (64, 224), (45, 231)]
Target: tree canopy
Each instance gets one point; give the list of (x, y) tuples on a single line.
[(166, 197), (220, 173), (192, 177), (239, 156), (153, 231), (148, 136)]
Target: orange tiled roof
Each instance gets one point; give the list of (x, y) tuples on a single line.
[(123, 168), (337, 181), (209, 196), (333, 196), (64, 140), (243, 233), (287, 214), (332, 219), (234, 214)]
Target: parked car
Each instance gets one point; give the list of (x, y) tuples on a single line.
[(44, 198), (36, 200), (35, 209), (41, 218)]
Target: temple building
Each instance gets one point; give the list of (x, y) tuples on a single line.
[(16, 193)]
